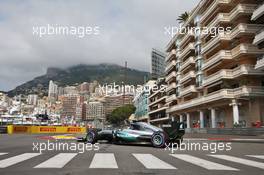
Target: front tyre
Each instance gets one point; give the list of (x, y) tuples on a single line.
[(91, 137), (158, 139)]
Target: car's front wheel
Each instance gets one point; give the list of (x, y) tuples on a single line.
[(158, 139), (91, 137)]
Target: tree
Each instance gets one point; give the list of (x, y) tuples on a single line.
[(183, 17), (121, 114)]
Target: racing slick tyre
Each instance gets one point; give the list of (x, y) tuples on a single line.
[(91, 137), (159, 139)]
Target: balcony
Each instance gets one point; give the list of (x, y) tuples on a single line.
[(157, 101), (162, 89), (187, 63), (214, 42), (221, 55), (244, 91), (187, 76), (260, 64), (171, 98), (186, 37), (187, 90), (170, 66), (158, 110), (229, 17), (186, 50), (229, 55), (159, 119), (258, 12), (237, 31), (246, 49), (212, 8), (259, 38), (245, 29), (220, 18), (170, 76), (171, 86), (171, 55), (231, 74)]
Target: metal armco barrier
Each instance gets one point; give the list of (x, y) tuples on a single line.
[(13, 129)]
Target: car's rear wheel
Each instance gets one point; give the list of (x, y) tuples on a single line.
[(158, 139), (91, 137)]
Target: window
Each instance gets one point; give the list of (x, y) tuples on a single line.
[(199, 80), (198, 65), (177, 91), (197, 50), (177, 67)]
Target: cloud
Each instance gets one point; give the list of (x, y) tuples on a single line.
[(128, 31)]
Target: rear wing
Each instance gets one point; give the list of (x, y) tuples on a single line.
[(175, 130)]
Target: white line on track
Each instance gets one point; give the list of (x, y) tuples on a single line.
[(240, 161), (256, 156), (58, 161), (3, 153), (152, 162), (17, 159), (104, 160), (203, 163)]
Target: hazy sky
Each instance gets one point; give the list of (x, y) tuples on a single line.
[(128, 31)]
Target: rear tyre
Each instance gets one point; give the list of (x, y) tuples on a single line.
[(91, 137), (159, 139)]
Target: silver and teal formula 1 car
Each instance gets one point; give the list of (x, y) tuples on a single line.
[(139, 132)]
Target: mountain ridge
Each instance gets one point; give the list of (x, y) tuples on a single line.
[(76, 74)]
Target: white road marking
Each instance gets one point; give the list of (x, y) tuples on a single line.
[(17, 159), (256, 156), (152, 162), (3, 153), (240, 161), (103, 160), (58, 161), (203, 163), (247, 139)]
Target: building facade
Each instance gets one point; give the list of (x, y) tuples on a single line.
[(53, 90), (157, 104), (95, 111), (157, 64), (141, 102), (211, 77), (32, 99), (114, 101), (258, 17), (69, 104)]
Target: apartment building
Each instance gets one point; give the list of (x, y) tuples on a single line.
[(114, 101), (157, 104), (258, 17), (211, 77), (141, 102), (32, 99), (53, 90), (157, 63), (80, 108), (95, 110), (69, 104)]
